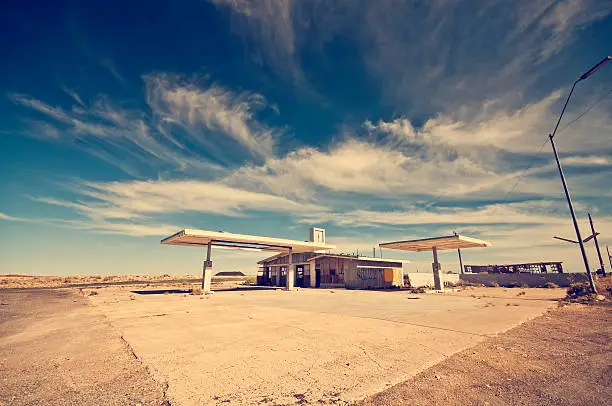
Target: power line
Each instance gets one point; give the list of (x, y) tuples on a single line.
[(520, 178), (522, 175), (586, 111)]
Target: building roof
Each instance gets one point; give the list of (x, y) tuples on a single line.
[(230, 240), (359, 258), (440, 243), (521, 264), (273, 257)]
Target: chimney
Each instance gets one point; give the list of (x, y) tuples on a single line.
[(317, 235)]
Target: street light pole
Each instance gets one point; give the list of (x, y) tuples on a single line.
[(567, 195), (571, 208)]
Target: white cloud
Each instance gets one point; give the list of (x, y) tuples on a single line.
[(358, 166), (148, 229), (529, 212), (566, 17), (154, 197), (219, 122), (514, 130), (6, 217), (589, 160), (271, 22), (138, 208), (499, 52), (177, 102)]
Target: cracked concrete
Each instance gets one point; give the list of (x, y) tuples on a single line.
[(306, 346)]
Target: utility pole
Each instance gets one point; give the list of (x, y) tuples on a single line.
[(460, 261), (567, 194), (571, 208), (601, 263)]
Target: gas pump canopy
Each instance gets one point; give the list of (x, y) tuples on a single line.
[(434, 245), (440, 243), (203, 238), (250, 242)]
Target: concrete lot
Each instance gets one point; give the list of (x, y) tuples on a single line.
[(328, 346)]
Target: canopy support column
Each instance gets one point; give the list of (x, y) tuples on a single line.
[(207, 270), (290, 271), (312, 265), (436, 270)]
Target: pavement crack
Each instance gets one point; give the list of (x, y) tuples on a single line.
[(129, 348), (367, 354), (427, 326)]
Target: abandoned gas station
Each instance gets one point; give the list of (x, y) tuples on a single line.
[(312, 264)]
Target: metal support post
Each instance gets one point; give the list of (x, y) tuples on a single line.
[(601, 263), (460, 261), (571, 208), (436, 270), (207, 270), (290, 279)]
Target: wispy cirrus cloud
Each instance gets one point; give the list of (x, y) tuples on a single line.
[(520, 213), (358, 166), (588, 160), (176, 102), (348, 183), (564, 18), (141, 207), (271, 22), (186, 125), (6, 217), (428, 56)]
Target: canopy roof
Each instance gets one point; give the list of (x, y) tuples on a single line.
[(440, 243), (230, 240)]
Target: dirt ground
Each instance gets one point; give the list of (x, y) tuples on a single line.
[(561, 358), (57, 348), (17, 281), (55, 352)]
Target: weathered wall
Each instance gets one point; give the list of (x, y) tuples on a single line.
[(426, 279), (333, 269), (531, 280), (373, 278)]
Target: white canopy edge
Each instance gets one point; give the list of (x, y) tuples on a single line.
[(440, 243), (190, 237)]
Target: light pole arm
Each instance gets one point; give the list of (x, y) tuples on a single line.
[(563, 111)]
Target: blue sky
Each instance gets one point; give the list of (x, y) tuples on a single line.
[(378, 120)]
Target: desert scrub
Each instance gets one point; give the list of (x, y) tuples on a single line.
[(577, 290), (550, 285), (196, 291), (420, 289)]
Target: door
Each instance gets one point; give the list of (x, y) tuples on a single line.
[(299, 276), (318, 278)]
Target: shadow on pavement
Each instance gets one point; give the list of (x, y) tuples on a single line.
[(160, 291)]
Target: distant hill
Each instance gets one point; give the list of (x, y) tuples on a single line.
[(230, 273)]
